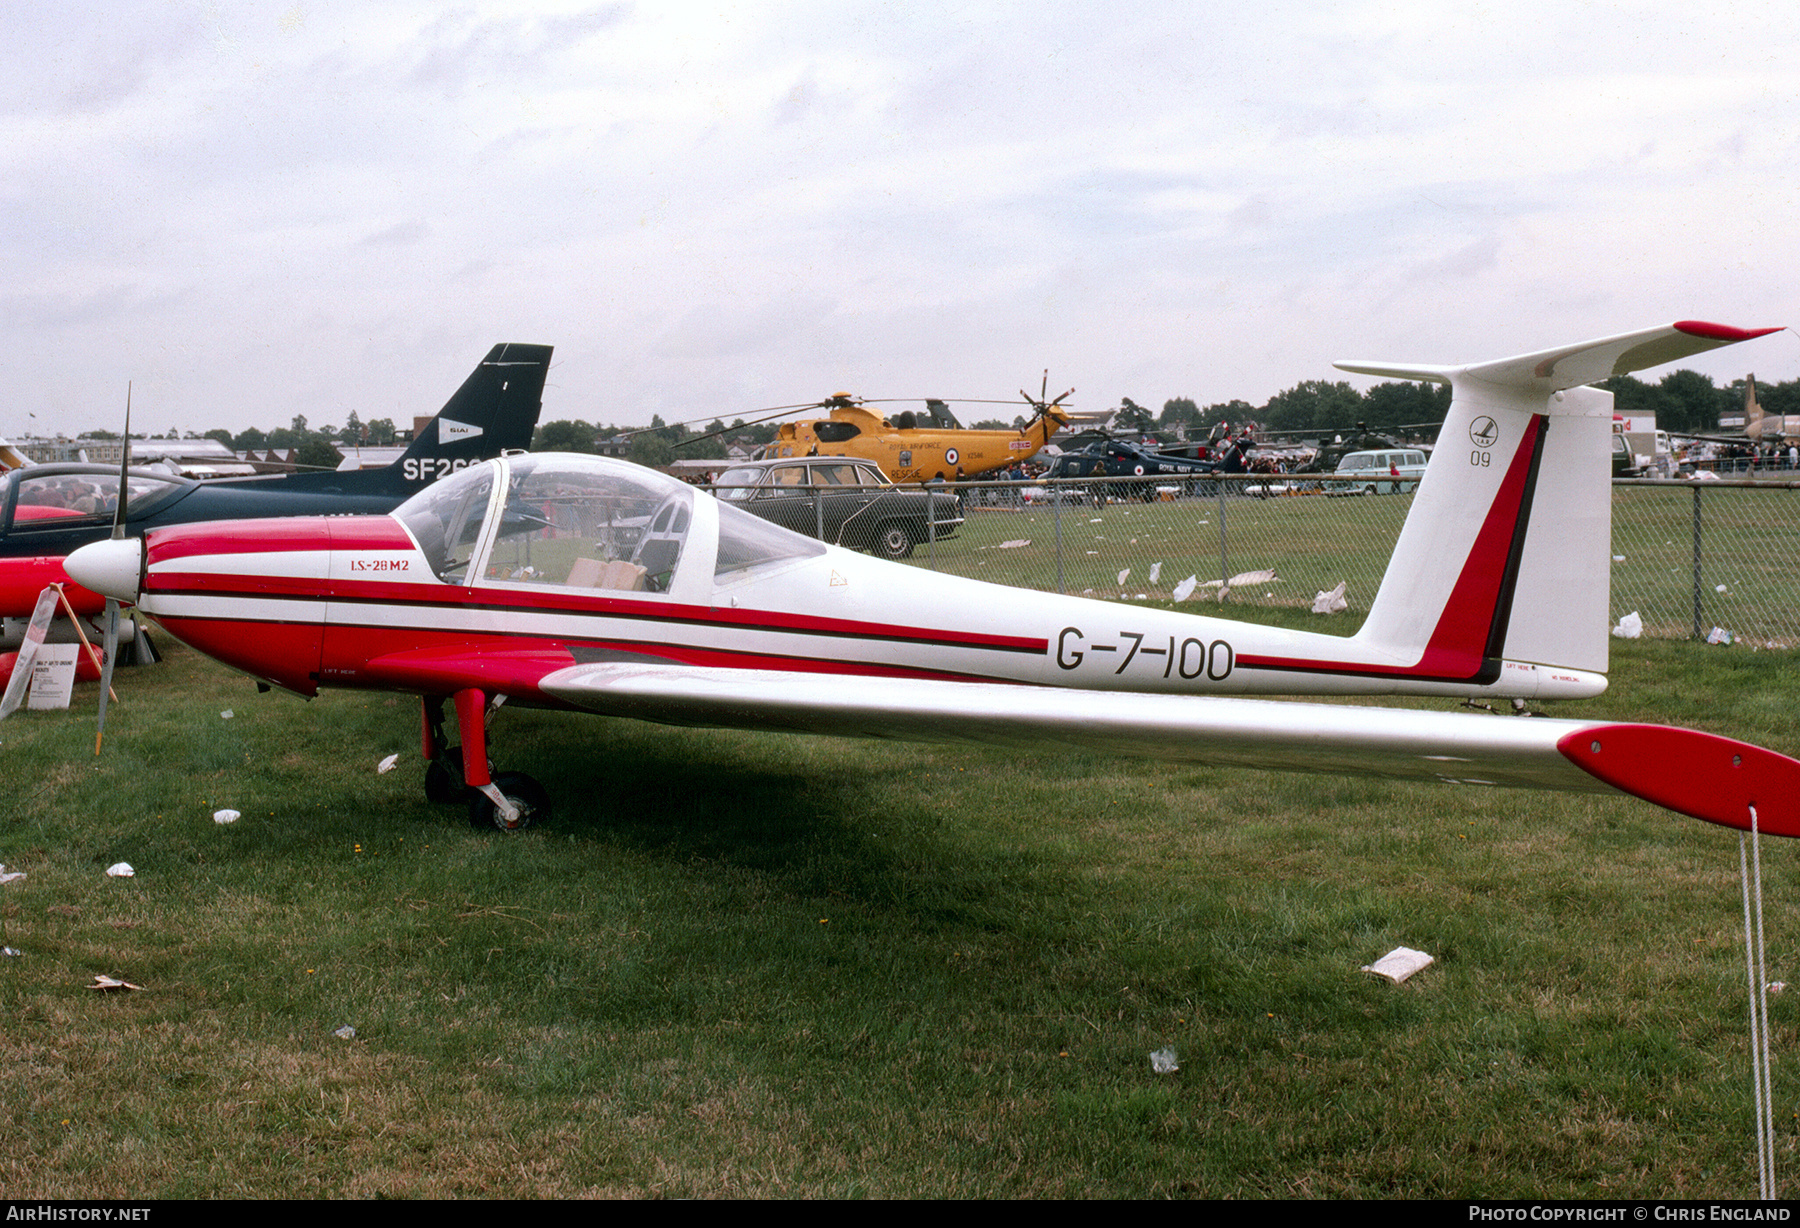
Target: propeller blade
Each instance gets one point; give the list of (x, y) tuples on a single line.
[(112, 604), (106, 667), (118, 529)]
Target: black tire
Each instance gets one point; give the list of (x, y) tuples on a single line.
[(893, 541), (532, 799), (444, 778)]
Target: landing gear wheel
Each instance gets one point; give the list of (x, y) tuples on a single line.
[(444, 778), (532, 799), (893, 542)]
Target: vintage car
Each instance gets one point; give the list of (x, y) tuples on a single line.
[(843, 500), (1382, 472)]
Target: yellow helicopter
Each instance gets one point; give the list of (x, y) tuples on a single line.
[(913, 447)]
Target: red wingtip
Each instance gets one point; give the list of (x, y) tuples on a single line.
[(1697, 774), (1720, 332)]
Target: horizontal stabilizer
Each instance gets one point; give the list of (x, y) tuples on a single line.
[(1587, 362)]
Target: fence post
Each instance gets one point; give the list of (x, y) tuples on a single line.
[(818, 510), (1224, 566), (1698, 618), (930, 522), (1056, 498)]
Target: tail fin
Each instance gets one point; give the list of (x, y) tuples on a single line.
[(1505, 555), (495, 409)]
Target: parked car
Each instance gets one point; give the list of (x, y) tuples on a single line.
[(843, 500), (1380, 472)]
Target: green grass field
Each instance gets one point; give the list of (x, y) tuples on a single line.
[(742, 965)]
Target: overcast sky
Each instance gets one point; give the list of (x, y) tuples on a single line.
[(255, 211)]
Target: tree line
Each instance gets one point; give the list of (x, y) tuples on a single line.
[(1683, 401)]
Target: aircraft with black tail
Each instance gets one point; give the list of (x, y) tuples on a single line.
[(47, 511)]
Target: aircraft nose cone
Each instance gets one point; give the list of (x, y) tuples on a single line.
[(109, 568)]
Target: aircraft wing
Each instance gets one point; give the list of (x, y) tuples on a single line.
[(1692, 773), (1588, 362)]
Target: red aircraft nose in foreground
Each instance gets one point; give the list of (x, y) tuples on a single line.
[(581, 583)]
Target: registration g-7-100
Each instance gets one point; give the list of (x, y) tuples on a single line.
[(1191, 657), (431, 468)]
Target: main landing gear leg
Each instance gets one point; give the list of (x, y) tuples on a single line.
[(444, 763), (509, 801)]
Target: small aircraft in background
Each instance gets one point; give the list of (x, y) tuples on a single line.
[(914, 448), (47, 511), (1116, 458), (581, 583)]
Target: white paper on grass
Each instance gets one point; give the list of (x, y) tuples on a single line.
[(1630, 627), (1331, 602), (1399, 964), (120, 869)]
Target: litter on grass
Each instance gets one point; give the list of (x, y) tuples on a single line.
[(1331, 602), (1163, 1061), (120, 869), (387, 765), (106, 982), (1399, 964), (222, 817), (1630, 627)]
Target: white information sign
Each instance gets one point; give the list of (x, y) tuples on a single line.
[(53, 676)]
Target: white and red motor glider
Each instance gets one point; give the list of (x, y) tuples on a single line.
[(582, 583)]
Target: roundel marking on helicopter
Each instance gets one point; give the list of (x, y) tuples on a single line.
[(1137, 471), (950, 456)]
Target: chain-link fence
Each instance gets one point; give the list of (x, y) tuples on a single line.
[(1282, 540), (1692, 556), (1687, 556)]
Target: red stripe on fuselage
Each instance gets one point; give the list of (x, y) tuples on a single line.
[(164, 581), (440, 662), (1457, 649)]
